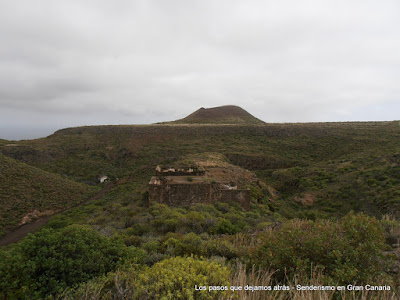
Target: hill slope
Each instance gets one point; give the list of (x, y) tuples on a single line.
[(229, 114), (28, 192), (316, 168)]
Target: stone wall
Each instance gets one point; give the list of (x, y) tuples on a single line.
[(240, 196), (180, 194), (189, 194)]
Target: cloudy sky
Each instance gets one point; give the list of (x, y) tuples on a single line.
[(72, 63)]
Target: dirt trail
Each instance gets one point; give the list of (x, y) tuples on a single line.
[(21, 232)]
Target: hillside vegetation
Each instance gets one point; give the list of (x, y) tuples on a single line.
[(29, 192), (315, 169), (325, 205)]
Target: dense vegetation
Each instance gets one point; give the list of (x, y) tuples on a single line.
[(50, 261), (26, 189), (349, 250), (172, 278), (326, 212), (343, 166)]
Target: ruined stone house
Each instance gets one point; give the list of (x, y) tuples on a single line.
[(185, 186)]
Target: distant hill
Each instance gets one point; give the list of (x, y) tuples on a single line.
[(228, 114), (27, 193)]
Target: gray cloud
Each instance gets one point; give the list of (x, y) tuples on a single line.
[(77, 63)]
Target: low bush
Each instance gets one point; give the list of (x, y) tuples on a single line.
[(347, 251), (175, 278), (172, 278), (45, 263)]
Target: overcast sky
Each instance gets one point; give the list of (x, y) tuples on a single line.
[(73, 62)]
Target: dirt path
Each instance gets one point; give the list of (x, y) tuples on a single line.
[(21, 232)]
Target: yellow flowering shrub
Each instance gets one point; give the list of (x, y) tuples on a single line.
[(173, 278), (176, 278)]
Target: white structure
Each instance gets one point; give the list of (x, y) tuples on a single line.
[(103, 179)]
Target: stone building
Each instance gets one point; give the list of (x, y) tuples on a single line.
[(185, 186)]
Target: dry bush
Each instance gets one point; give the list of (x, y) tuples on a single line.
[(261, 277)]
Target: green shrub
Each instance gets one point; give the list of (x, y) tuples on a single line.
[(194, 221), (223, 226), (256, 192), (218, 247), (138, 229), (193, 244), (179, 245), (175, 278), (166, 219), (50, 261), (347, 251), (58, 223), (172, 278), (133, 240), (223, 207), (152, 246)]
